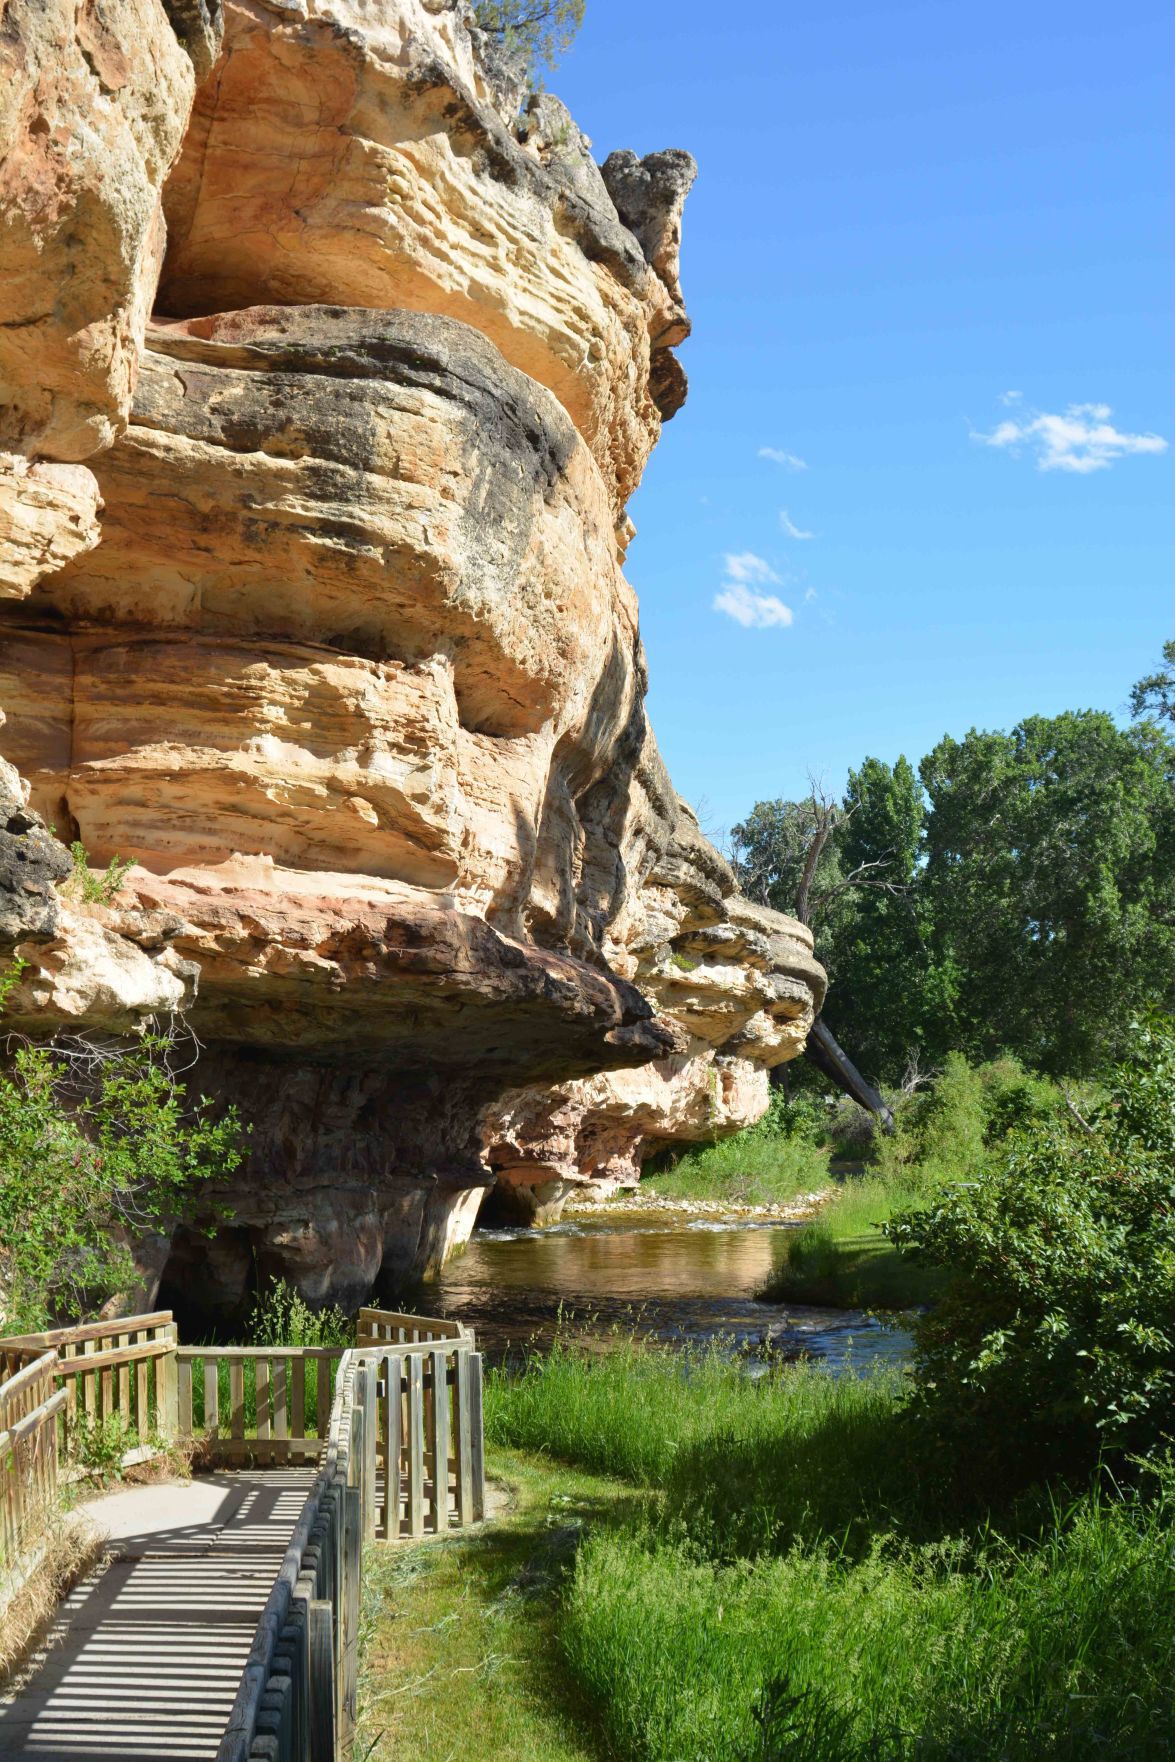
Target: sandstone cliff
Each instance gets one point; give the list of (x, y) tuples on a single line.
[(311, 534)]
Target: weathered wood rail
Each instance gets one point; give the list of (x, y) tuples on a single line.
[(394, 1424)]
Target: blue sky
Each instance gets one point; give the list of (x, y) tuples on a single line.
[(903, 214)]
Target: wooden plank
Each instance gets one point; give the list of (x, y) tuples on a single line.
[(393, 1375), (236, 1396), (211, 1397), (463, 1439), (89, 1330), (322, 1681), (281, 1416), (142, 1405), (124, 1386), (326, 1352), (439, 1442), (166, 1404), (370, 1448), (262, 1385), (322, 1401), (352, 1574), (297, 1374), (89, 1386), (477, 1437), (415, 1447), (184, 1397), (116, 1356)]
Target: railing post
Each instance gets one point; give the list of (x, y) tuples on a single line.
[(323, 1746), (477, 1438), (352, 1575), (167, 1384), (370, 1440)]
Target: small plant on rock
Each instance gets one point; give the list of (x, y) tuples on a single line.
[(96, 886)]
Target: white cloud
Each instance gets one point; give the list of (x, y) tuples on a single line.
[(754, 611), (790, 527), (1011, 397), (739, 599), (789, 461), (1080, 439), (745, 566)]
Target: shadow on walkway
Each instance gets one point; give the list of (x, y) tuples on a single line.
[(144, 1657)]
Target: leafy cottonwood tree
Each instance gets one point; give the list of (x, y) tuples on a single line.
[(1049, 885), (885, 996), (1155, 695)]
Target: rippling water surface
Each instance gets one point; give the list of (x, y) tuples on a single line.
[(668, 1276)]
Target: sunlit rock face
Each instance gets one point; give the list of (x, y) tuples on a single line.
[(373, 157), (739, 985), (349, 668)]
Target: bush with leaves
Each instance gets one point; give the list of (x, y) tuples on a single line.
[(1054, 1343), (99, 1147)]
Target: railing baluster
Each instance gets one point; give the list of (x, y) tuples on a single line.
[(439, 1442), (415, 1447)]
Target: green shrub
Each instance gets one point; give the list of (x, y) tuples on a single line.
[(1055, 1339), (99, 1146)]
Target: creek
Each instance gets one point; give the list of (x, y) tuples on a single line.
[(669, 1276)]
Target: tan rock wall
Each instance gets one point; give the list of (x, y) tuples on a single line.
[(342, 154), (350, 668)]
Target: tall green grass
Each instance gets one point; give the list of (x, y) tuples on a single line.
[(841, 1257), (753, 1168), (747, 1463), (1062, 1650), (791, 1586)]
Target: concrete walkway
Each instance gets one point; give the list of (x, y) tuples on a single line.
[(143, 1659)]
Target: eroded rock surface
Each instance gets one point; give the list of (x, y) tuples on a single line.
[(352, 672), (372, 157)]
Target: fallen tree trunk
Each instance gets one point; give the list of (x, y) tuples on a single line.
[(838, 1067)]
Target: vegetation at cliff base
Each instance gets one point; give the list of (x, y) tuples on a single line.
[(769, 1164), (100, 1145), (945, 1129)]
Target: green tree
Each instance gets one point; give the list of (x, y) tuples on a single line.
[(884, 1000), (99, 1147), (785, 855), (1155, 695), (1049, 885), (538, 32)]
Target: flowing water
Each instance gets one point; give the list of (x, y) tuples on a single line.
[(666, 1275)]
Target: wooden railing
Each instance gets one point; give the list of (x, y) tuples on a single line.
[(264, 1404), (397, 1435), (121, 1371), (29, 1406), (383, 1327)]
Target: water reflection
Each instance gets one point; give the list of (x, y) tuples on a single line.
[(672, 1280)]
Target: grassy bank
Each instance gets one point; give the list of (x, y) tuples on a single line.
[(946, 1131), (762, 1166), (841, 1257), (697, 1568)]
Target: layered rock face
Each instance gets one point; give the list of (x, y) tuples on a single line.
[(352, 671)]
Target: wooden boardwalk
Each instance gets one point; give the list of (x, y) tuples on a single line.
[(145, 1657), (226, 1625)]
